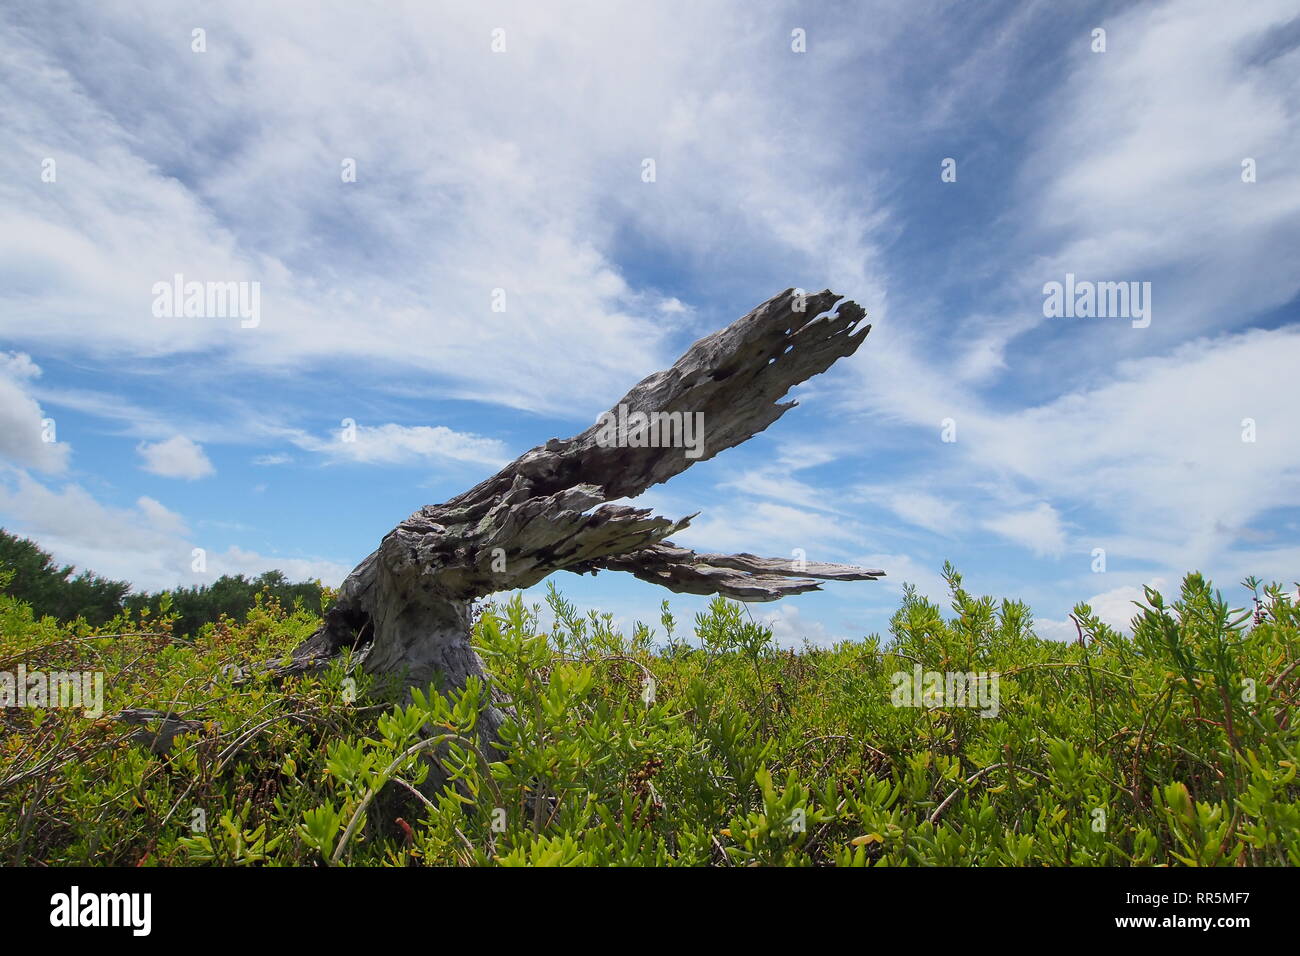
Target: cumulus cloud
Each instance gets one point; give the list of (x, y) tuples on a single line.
[(1050, 629), (26, 430), (147, 544), (1116, 608), (237, 560), (176, 457), (790, 628)]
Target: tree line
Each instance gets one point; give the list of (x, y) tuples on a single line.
[(34, 577)]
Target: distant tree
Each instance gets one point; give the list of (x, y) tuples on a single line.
[(53, 590), (231, 595), (36, 579)]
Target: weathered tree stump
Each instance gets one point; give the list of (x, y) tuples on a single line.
[(406, 607)]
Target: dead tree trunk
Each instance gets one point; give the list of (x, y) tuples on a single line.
[(406, 607)]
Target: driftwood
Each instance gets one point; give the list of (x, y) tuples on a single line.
[(158, 728), (406, 607)]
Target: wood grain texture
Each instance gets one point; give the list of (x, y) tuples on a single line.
[(407, 605)]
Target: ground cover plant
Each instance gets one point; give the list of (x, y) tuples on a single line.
[(672, 744)]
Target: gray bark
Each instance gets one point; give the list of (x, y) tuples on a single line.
[(407, 605)]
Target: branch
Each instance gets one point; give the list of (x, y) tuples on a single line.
[(551, 508), (734, 378), (536, 509), (744, 577)]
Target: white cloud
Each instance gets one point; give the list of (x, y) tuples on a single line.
[(148, 544), (1118, 187), (790, 628), (467, 188), (1038, 529), (1129, 180), (23, 425), (1139, 431), (160, 517), (144, 544), (933, 513), (236, 560), (404, 444), (1159, 448), (901, 569), (769, 529), (462, 190), (1149, 454), (1050, 629), (777, 485), (176, 457), (1115, 608)]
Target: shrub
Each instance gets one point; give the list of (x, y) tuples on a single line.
[(1175, 746)]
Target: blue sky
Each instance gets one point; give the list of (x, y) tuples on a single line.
[(521, 170)]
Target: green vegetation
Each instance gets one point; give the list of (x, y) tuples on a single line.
[(1174, 747), (231, 596), (53, 591), (49, 589)]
